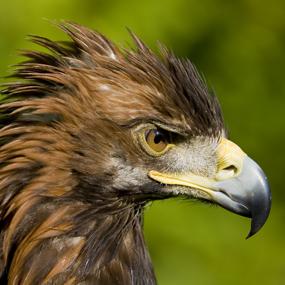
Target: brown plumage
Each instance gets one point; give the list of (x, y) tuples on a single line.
[(73, 178)]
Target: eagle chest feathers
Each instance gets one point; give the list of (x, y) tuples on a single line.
[(92, 133)]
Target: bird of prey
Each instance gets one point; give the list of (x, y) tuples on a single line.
[(90, 134)]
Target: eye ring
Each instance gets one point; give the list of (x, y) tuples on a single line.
[(155, 141)]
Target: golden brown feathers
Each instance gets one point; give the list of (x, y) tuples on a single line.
[(65, 142)]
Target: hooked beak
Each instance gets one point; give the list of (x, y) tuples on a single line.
[(239, 185)]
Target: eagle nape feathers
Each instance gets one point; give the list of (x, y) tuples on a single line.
[(91, 133)]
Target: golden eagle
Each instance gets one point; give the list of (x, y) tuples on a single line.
[(90, 134)]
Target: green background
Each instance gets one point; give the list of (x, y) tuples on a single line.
[(239, 46)]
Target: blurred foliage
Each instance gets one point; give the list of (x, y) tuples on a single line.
[(239, 46)]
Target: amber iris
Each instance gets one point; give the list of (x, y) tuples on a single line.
[(156, 140)]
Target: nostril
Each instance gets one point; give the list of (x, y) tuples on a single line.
[(231, 168), (227, 172)]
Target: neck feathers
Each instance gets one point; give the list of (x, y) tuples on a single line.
[(75, 244)]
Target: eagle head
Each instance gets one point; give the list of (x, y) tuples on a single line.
[(90, 134)]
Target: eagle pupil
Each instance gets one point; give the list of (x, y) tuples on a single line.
[(158, 137)]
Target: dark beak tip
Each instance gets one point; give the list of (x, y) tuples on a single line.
[(258, 219), (254, 229), (258, 195), (250, 234)]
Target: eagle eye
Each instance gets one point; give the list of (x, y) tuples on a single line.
[(155, 141)]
